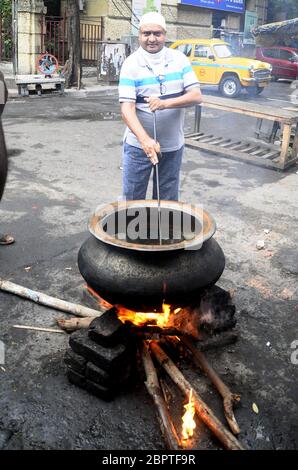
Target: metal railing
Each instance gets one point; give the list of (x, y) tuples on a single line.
[(54, 38), (91, 36)]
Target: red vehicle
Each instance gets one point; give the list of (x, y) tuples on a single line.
[(284, 61)]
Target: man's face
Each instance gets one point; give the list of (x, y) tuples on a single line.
[(152, 38)]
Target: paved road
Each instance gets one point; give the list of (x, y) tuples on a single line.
[(94, 106), (276, 92)]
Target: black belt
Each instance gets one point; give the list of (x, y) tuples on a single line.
[(141, 99)]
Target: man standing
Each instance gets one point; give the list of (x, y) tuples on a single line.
[(154, 80)]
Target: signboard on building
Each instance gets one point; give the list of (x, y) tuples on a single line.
[(251, 22), (139, 8), (111, 57), (235, 6)]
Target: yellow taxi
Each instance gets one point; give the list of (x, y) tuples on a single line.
[(215, 64)]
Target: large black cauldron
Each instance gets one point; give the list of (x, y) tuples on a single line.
[(125, 263)]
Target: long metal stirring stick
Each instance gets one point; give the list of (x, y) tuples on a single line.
[(157, 182)]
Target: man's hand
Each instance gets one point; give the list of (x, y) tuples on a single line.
[(151, 149), (189, 98), (155, 103)]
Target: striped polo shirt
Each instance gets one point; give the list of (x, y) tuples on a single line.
[(137, 80)]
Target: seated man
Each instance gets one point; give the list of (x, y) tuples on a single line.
[(4, 239)]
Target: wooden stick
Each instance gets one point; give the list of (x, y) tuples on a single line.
[(48, 301), (229, 398), (165, 391), (217, 341), (286, 135), (37, 328), (153, 387), (74, 324), (203, 411)]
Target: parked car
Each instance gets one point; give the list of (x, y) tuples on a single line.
[(215, 64), (284, 61)]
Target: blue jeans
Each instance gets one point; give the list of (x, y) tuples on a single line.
[(137, 169)]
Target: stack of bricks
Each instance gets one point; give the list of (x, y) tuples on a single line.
[(102, 359)]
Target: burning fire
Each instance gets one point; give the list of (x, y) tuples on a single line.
[(159, 319), (175, 319), (188, 421)]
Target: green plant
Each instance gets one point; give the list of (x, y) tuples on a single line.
[(6, 18), (150, 6), (5, 11)]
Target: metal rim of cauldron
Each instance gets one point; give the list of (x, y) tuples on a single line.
[(97, 220)]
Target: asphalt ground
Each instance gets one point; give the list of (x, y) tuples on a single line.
[(64, 161)]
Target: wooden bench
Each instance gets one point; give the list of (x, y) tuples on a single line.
[(39, 82), (262, 154)]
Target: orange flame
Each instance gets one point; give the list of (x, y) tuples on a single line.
[(159, 319), (102, 302), (188, 421)]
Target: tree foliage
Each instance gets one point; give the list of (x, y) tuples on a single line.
[(6, 18), (278, 9), (5, 9)]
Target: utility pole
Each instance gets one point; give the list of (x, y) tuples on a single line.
[(73, 66), (14, 16)]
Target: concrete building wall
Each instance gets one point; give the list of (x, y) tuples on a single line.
[(169, 11), (118, 21), (193, 22), (183, 21), (234, 22), (96, 8), (29, 14), (260, 7), (93, 10)]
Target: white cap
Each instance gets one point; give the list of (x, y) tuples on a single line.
[(153, 18)]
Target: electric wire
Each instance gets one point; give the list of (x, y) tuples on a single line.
[(131, 10), (123, 14), (119, 11)]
